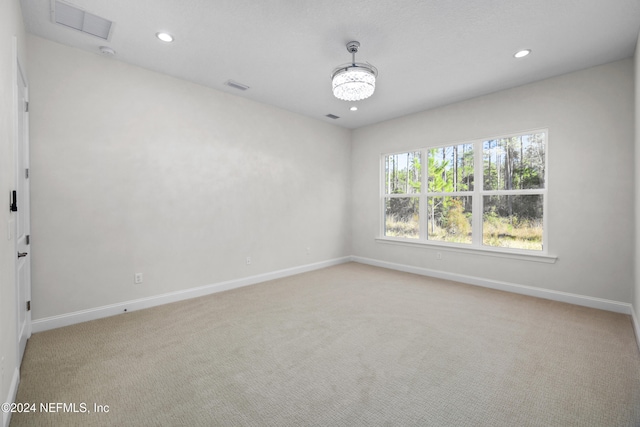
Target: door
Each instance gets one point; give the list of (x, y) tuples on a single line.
[(22, 242)]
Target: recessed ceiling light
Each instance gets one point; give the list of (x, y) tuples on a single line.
[(165, 37), (522, 53), (354, 108)]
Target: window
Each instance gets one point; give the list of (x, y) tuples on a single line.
[(487, 193), (403, 182)]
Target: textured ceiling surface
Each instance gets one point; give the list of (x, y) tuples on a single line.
[(428, 52)]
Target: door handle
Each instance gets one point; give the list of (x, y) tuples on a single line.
[(22, 254), (13, 205)]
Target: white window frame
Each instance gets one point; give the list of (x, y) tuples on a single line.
[(477, 194)]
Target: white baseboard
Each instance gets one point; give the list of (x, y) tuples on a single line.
[(636, 325), (586, 301), (11, 396), (67, 319), (53, 322)]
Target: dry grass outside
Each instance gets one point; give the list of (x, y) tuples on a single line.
[(500, 233), (442, 235), (503, 233), (397, 228)]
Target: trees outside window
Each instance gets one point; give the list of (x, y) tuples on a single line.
[(403, 181), (485, 193)]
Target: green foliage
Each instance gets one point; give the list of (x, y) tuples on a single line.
[(457, 222), (450, 168), (450, 219), (403, 208)]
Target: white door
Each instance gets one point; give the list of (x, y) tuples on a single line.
[(23, 256)]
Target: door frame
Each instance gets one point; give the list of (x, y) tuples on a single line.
[(23, 330)]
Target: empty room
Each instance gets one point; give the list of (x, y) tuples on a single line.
[(303, 213)]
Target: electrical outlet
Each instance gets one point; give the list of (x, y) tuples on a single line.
[(308, 250), (439, 256), (248, 260), (138, 278)]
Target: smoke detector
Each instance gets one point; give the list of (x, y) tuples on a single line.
[(107, 51)]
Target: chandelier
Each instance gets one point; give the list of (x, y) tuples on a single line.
[(354, 81)]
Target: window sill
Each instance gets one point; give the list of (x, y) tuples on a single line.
[(498, 253)]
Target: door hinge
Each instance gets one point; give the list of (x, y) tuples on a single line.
[(26, 173), (28, 305), (26, 106), (28, 239)]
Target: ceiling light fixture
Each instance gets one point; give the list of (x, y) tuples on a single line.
[(354, 81), (354, 108), (165, 37), (522, 53)]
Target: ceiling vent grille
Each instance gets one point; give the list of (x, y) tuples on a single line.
[(236, 85), (78, 19), (333, 116)]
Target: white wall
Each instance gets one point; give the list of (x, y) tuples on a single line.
[(134, 171), (589, 115), (10, 29)]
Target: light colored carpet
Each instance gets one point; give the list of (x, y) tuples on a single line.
[(351, 345)]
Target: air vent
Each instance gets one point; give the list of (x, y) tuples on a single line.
[(333, 116), (236, 85), (78, 19)]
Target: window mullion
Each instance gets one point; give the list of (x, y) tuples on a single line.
[(450, 194), (478, 185), (513, 192), (383, 195), (424, 176)]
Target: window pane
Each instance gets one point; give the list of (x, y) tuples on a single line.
[(451, 168), (513, 221), (515, 163), (402, 217), (449, 219), (402, 173)]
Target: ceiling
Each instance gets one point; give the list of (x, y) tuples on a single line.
[(428, 52)]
